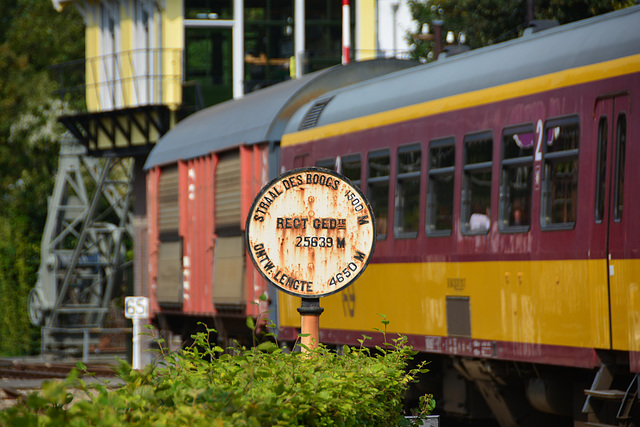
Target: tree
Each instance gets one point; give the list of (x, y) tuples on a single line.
[(486, 22), (33, 36)]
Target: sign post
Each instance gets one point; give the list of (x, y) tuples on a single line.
[(311, 233), (310, 312), (136, 309)]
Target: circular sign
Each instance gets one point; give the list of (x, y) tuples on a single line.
[(310, 232)]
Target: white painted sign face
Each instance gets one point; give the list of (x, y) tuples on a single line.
[(310, 232), (136, 307)]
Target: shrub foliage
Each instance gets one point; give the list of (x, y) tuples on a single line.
[(204, 385)]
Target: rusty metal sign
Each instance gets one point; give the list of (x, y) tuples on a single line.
[(310, 232)]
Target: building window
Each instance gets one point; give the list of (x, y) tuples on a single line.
[(323, 33), (560, 173), (475, 212), (145, 58), (378, 189), (208, 64), (109, 84), (268, 33), (516, 178), (208, 9), (442, 157), (408, 191)]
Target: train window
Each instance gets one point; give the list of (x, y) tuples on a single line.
[(601, 168), (301, 160), (516, 178), (352, 168), (327, 164), (560, 173), (621, 143), (378, 189), (407, 201), (442, 157), (475, 215)]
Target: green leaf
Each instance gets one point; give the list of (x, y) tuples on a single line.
[(250, 323), (267, 346)]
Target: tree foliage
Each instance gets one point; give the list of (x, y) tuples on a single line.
[(486, 22), (33, 36)]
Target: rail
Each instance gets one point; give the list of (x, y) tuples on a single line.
[(41, 370), (20, 377), (126, 79)]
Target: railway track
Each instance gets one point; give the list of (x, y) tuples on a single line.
[(43, 370), (19, 377)]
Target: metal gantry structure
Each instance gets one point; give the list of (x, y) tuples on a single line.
[(84, 260)]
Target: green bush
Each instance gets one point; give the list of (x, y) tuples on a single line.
[(262, 386)]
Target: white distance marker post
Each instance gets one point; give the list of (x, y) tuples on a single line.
[(136, 309)]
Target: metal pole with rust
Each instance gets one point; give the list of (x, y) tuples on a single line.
[(310, 312)]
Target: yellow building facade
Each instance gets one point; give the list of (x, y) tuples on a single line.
[(149, 63)]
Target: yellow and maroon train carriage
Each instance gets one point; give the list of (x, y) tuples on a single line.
[(505, 189)]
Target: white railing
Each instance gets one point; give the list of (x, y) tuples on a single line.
[(133, 78)]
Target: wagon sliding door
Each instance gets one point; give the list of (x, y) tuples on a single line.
[(169, 280), (229, 262)]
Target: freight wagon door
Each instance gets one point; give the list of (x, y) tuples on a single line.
[(229, 262), (170, 273), (612, 118)]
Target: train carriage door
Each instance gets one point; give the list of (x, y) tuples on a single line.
[(611, 115)]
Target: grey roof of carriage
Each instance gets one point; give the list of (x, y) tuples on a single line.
[(260, 116), (590, 41)]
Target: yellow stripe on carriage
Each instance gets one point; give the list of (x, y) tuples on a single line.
[(558, 80)]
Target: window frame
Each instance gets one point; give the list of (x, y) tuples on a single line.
[(379, 153), (550, 158), (465, 191), (513, 163), (399, 212), (433, 173), (347, 159), (327, 163)]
